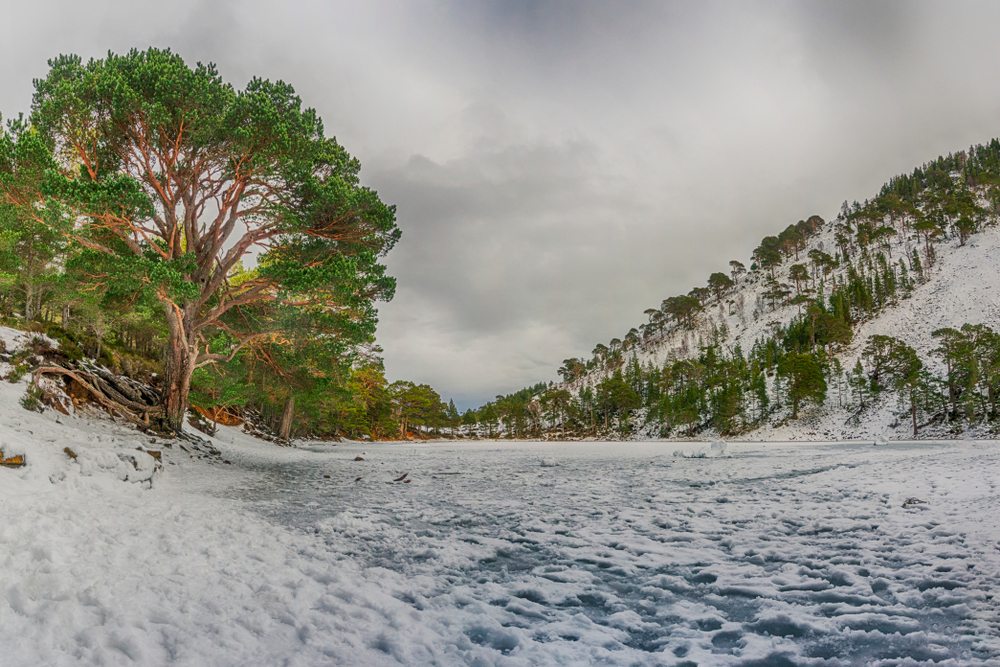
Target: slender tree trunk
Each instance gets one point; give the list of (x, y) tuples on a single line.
[(29, 301), (287, 416), (952, 394)]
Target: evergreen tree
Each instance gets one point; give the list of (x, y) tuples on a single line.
[(719, 284), (174, 177), (898, 364), (805, 377)]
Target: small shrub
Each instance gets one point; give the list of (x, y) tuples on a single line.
[(32, 399), (68, 346), (17, 372), (39, 346), (200, 422)]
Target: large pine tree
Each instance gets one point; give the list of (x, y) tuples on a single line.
[(229, 209)]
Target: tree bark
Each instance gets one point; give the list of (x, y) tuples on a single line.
[(287, 416), (178, 368)]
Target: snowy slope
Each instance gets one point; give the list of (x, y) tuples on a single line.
[(963, 286), (99, 571), (98, 567)]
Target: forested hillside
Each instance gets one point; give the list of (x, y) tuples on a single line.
[(213, 245), (885, 319)]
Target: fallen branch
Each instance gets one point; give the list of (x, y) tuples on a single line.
[(854, 416)]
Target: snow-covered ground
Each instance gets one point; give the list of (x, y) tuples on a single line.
[(495, 553)]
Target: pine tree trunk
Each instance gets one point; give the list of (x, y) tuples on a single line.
[(287, 416), (178, 368)]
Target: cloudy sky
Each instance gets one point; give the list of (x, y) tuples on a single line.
[(559, 167)]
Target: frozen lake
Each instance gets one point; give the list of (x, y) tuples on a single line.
[(632, 553), (496, 553)]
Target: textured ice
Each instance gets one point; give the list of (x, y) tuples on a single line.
[(635, 554)]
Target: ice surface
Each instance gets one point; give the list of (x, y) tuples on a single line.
[(616, 553)]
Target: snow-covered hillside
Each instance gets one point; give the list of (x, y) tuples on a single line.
[(962, 286)]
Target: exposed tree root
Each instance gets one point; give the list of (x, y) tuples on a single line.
[(119, 396)]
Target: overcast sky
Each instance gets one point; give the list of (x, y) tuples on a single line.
[(559, 167)]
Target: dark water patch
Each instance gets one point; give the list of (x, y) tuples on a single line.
[(946, 584), (498, 639), (772, 660)]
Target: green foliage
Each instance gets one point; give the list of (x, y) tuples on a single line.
[(971, 356), (806, 379), (32, 399), (719, 283), (416, 406), (615, 402), (894, 364), (16, 372)]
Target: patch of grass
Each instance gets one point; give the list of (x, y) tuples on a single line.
[(17, 371)]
